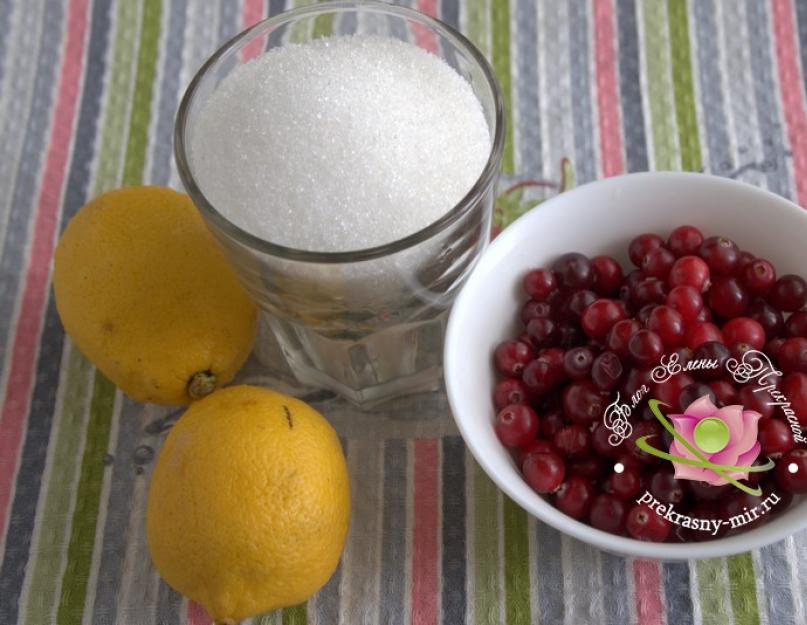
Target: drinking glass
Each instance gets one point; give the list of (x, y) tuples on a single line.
[(367, 324)]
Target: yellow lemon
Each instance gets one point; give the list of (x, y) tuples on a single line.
[(146, 294), (249, 503)]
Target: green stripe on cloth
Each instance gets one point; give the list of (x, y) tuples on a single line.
[(476, 25), (501, 65), (742, 584), (516, 565), (712, 591), (144, 87), (52, 529), (686, 114), (657, 67), (82, 535), (487, 588), (296, 615)]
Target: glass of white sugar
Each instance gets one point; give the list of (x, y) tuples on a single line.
[(345, 156)]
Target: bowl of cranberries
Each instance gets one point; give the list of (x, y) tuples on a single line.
[(628, 362)]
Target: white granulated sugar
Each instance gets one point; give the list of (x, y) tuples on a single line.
[(339, 144)]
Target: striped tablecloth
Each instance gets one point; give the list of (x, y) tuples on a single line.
[(88, 91)]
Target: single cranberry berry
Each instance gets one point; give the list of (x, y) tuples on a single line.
[(721, 254), (791, 471), (577, 362), (574, 496), (727, 298), (772, 348), (516, 425), (607, 275), (699, 332), (644, 523), (535, 310), (626, 483), (693, 392), (690, 271), (608, 514), (686, 300), (539, 284), (658, 262), (669, 391), (620, 334), (685, 241), (639, 379), (554, 355), (744, 258), (668, 323), (601, 438), (544, 472), (725, 392), (789, 293), (753, 397), (649, 291), (717, 354), (542, 332), (573, 271), (703, 491), (539, 376), (607, 371), (641, 245), (792, 355), (644, 314), (796, 324), (590, 467), (775, 437), (512, 356), (510, 391), (577, 304), (794, 387), (600, 317), (583, 402), (664, 487), (645, 348), (535, 446), (744, 330), (650, 430), (572, 441), (758, 276), (767, 316)]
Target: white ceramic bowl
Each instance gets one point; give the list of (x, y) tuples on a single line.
[(601, 218)]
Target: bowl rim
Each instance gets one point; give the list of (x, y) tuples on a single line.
[(539, 508)]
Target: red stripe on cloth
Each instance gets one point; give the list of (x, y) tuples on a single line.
[(425, 38), (37, 277), (607, 95), (197, 615), (424, 534), (251, 15), (790, 82), (647, 592)]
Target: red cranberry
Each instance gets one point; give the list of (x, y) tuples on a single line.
[(551, 423), (694, 392), (573, 271), (535, 310), (703, 491), (510, 391), (685, 240), (590, 467), (791, 471), (572, 441), (553, 355), (739, 503), (743, 260), (535, 446), (699, 332), (758, 276), (583, 402), (669, 391), (658, 262), (544, 472), (716, 352), (727, 298), (649, 291), (789, 293), (577, 362), (637, 380), (686, 300), (645, 347), (542, 332), (608, 514), (626, 484), (744, 330), (600, 317), (690, 271), (725, 392), (704, 315), (620, 334), (516, 425), (709, 512), (754, 398), (577, 304), (644, 523), (607, 275), (668, 323), (644, 314), (721, 254), (512, 356), (797, 324), (794, 387), (539, 284), (664, 487), (775, 437), (792, 355), (682, 355), (767, 316), (574, 497), (601, 444), (772, 348), (641, 245), (607, 371), (650, 429), (539, 376)]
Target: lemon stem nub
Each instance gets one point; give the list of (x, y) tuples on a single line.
[(201, 384)]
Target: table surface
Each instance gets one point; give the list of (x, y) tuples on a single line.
[(88, 92)]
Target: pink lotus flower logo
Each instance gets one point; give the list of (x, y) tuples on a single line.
[(711, 444)]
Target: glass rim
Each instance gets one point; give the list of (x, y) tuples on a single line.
[(474, 195)]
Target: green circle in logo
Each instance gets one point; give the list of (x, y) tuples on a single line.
[(711, 435)]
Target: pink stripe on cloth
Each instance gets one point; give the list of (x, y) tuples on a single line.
[(790, 87), (251, 15), (424, 533), (424, 38), (37, 277), (647, 592), (197, 615), (607, 96)]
